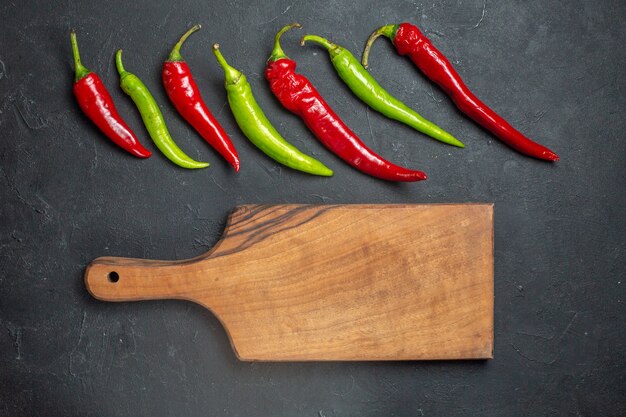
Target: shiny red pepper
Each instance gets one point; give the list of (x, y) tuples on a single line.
[(184, 94), (296, 93), (96, 102), (409, 40)]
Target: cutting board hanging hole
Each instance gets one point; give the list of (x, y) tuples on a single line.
[(114, 276)]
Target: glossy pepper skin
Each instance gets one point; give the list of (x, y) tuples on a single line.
[(296, 93), (254, 124), (409, 40), (96, 102), (365, 87), (153, 118), (185, 95)]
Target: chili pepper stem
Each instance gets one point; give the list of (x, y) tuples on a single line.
[(318, 39), (231, 74), (277, 52), (118, 63), (80, 69), (175, 55), (387, 30)]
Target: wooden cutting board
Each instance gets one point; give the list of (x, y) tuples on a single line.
[(334, 282)]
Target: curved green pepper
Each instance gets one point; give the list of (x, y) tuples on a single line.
[(255, 125), (365, 87), (153, 118)]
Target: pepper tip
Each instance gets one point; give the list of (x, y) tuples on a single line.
[(142, 153), (553, 157)]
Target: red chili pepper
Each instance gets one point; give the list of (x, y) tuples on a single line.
[(96, 102), (409, 40), (184, 94), (297, 94)]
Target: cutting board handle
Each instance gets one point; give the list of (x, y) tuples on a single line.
[(127, 279)]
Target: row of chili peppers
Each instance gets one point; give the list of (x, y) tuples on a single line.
[(296, 93)]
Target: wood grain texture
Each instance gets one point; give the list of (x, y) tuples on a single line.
[(334, 282)]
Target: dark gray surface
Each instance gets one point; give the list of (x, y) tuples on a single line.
[(554, 69)]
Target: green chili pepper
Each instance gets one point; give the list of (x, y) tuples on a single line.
[(257, 128), (153, 118), (364, 86)]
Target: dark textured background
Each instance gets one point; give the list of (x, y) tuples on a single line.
[(554, 69)]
